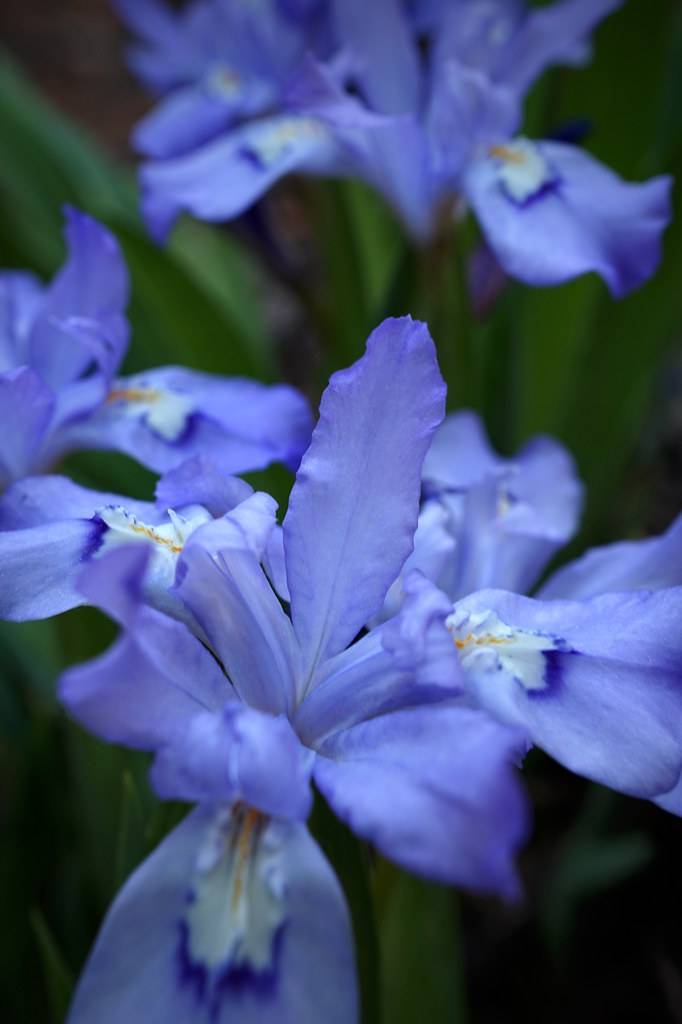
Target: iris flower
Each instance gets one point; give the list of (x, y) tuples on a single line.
[(424, 102), (237, 916), (60, 351), (590, 668)]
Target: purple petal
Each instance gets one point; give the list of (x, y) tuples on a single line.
[(200, 481), (195, 936), (432, 789), (237, 755), (230, 597), (37, 500), (650, 564), (567, 215), (146, 689), (26, 410), (354, 507), (672, 800), (460, 454), (597, 684), (40, 566), (382, 52), (171, 48), (556, 34), (188, 118), (364, 681), (168, 415), (91, 287), (20, 298), (507, 518), (225, 177)]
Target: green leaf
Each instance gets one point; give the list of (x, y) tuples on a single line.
[(349, 859), (423, 974), (58, 979), (590, 861), (130, 844)]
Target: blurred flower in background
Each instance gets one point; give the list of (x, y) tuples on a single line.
[(62, 348), (425, 105)]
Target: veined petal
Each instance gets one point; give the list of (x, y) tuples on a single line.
[(597, 684), (37, 500), (650, 564), (230, 597), (354, 507), (551, 212), (40, 566), (434, 790), (232, 918)]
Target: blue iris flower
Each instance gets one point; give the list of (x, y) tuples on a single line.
[(590, 668), (423, 101), (268, 683), (60, 351)]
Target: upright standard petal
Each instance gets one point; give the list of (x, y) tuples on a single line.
[(506, 517), (230, 597), (551, 212), (556, 34), (92, 287), (434, 790), (353, 509), (232, 918), (381, 52), (597, 684), (460, 454), (170, 49), (650, 564)]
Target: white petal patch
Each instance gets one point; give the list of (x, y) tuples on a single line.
[(166, 539), (236, 901), (486, 644), (165, 412), (224, 82), (270, 142), (521, 169)]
